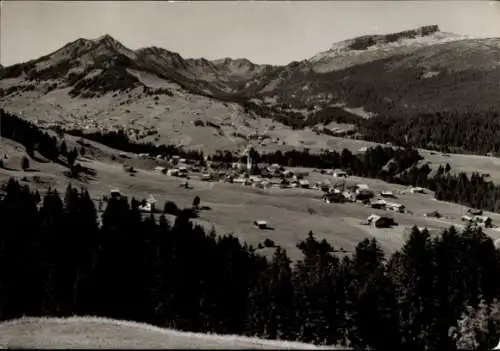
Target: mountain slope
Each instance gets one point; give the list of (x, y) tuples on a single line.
[(93, 332), (424, 71), (401, 75)]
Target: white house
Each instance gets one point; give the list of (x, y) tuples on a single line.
[(206, 177), (340, 174), (362, 187), (160, 169), (260, 224), (173, 172), (417, 190), (396, 207), (115, 193), (304, 183), (386, 193)]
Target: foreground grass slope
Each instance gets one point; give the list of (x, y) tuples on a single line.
[(94, 332)]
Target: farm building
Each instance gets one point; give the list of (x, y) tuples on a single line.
[(387, 193), (239, 180), (381, 221), (379, 204), (364, 194), (160, 169), (149, 204), (475, 212), (304, 184), (482, 221), (333, 198), (260, 224), (115, 193), (173, 172), (417, 190), (394, 206), (349, 195), (206, 177), (339, 174)]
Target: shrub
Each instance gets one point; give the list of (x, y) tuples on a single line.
[(269, 243), (170, 208), (25, 163)]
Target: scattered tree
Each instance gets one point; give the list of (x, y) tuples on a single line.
[(25, 163)]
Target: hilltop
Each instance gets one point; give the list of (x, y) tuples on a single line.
[(94, 332)]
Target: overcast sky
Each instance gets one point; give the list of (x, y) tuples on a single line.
[(264, 32)]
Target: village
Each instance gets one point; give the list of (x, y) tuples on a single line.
[(337, 188)]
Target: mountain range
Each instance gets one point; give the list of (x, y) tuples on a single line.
[(423, 70)]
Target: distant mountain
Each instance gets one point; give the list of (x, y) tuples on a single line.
[(422, 70), (403, 74), (104, 64)]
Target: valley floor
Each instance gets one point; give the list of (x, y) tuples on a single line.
[(291, 212)]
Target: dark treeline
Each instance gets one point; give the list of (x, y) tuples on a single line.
[(120, 141), (59, 262), (444, 131), (29, 135)]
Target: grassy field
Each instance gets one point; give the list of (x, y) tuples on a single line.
[(93, 332), (291, 212)]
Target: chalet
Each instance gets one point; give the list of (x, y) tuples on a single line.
[(363, 149), (381, 221), (340, 174), (255, 179), (115, 193), (304, 184), (379, 204), (237, 165), (482, 221), (160, 169), (206, 177), (284, 184), (149, 204), (333, 198), (260, 224), (287, 173), (240, 180), (363, 194), (387, 193), (394, 206), (417, 190), (475, 212), (349, 195), (173, 172), (466, 218), (362, 187)]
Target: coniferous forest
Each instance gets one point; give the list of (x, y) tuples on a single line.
[(435, 292)]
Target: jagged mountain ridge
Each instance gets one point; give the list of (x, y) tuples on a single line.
[(85, 59)]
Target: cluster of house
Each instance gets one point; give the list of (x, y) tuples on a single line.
[(476, 218), (363, 194)]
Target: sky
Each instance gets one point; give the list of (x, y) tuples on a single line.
[(264, 32)]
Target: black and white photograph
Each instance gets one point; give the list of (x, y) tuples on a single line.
[(250, 175)]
